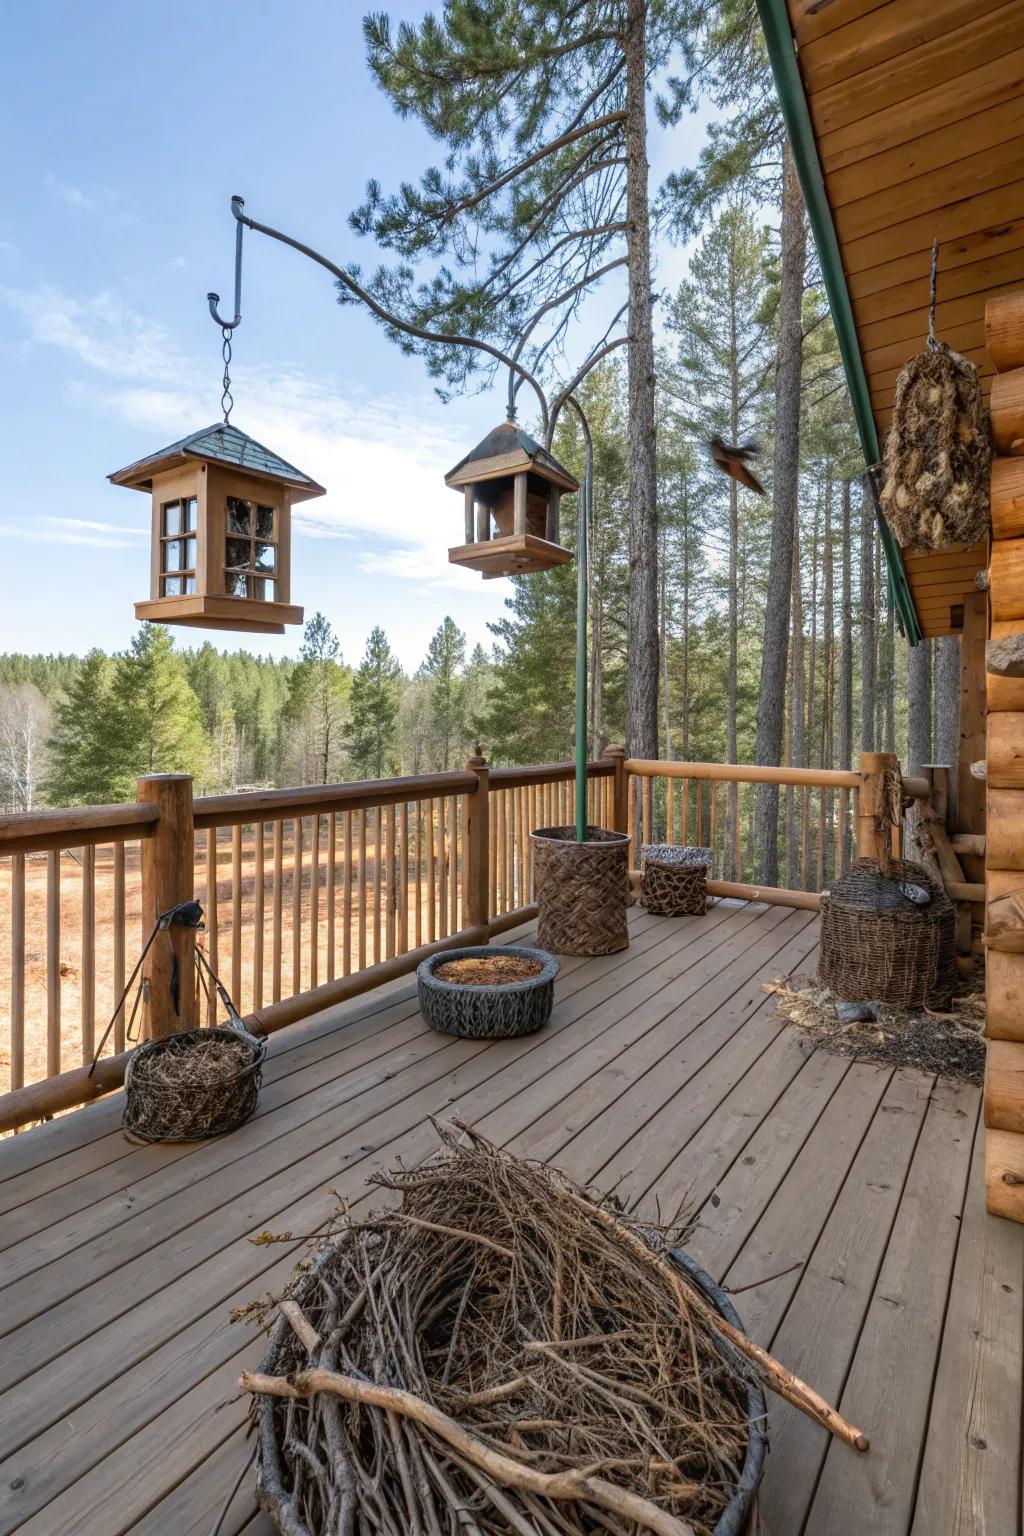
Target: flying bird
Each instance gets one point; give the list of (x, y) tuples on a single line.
[(734, 462)]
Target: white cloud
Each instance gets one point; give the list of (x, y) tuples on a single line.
[(382, 460), (72, 530), (76, 197)]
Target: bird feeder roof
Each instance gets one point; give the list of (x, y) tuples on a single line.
[(505, 451), (219, 444)]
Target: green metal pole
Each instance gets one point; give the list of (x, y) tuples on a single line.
[(582, 520)]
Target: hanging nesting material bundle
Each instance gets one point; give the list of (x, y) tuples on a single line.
[(936, 480)]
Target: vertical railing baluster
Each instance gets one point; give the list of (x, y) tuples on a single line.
[(346, 897), (53, 1043), (119, 976), (442, 870), (332, 865), (378, 882), (454, 883), (88, 999), (314, 900), (278, 906), (494, 823), (713, 789), (297, 851), (431, 888), (212, 926), (391, 895), (403, 879), (236, 916), (17, 970), (418, 924), (670, 811), (362, 890), (258, 913)]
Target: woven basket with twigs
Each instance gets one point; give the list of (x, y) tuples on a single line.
[(879, 945), (501, 1353), (186, 1087)]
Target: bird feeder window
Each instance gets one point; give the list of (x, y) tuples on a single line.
[(251, 557), (178, 544), (221, 532)]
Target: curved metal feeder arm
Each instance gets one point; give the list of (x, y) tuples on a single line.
[(518, 375)]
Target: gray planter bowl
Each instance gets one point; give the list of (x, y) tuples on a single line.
[(487, 1013)]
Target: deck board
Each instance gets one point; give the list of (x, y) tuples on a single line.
[(666, 1072)]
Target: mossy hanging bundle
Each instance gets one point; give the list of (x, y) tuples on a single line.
[(936, 482)]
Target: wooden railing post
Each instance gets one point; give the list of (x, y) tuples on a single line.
[(620, 788), (476, 845), (874, 831), (167, 880)]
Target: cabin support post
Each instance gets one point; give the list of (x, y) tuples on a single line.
[(167, 880), (620, 788), (476, 845)]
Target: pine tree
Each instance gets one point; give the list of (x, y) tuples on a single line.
[(155, 722), (722, 320), (316, 713), (542, 108), (446, 655), (376, 692), (81, 763)]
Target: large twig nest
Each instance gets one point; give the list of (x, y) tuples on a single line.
[(508, 1359), (938, 453)]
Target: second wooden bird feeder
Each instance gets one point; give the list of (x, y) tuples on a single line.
[(512, 488)]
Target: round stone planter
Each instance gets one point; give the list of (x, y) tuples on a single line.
[(582, 890), (487, 1013)]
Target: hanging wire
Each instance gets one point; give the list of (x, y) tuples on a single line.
[(933, 344), (227, 400)]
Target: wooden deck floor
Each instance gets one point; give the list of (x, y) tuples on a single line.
[(664, 1069)]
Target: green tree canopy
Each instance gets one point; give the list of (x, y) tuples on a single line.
[(376, 694)]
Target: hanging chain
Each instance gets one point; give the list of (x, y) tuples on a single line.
[(227, 400), (933, 294)]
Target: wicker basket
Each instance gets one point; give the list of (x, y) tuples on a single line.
[(582, 890), (487, 1013), (191, 1086), (673, 880), (877, 945)]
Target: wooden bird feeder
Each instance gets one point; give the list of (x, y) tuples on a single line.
[(221, 551), (512, 488)]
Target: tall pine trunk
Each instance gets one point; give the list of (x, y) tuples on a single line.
[(867, 626), (797, 740), (771, 709), (828, 639), (947, 703), (919, 706), (642, 679), (845, 722)]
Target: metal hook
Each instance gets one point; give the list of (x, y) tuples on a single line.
[(213, 299)]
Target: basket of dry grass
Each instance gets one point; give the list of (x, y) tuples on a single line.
[(187, 1087), (496, 1352)]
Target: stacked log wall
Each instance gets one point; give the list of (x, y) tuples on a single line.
[(1004, 857)]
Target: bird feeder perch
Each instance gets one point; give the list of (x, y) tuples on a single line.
[(512, 489), (221, 544)]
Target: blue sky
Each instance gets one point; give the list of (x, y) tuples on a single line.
[(126, 128)]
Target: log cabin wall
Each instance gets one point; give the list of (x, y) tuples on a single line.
[(1004, 927)]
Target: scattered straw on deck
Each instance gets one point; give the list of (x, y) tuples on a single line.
[(541, 1375), (948, 1043)]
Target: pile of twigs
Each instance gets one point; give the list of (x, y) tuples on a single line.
[(501, 1354)]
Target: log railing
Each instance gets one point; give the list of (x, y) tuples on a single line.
[(317, 894), (311, 896), (712, 805)]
